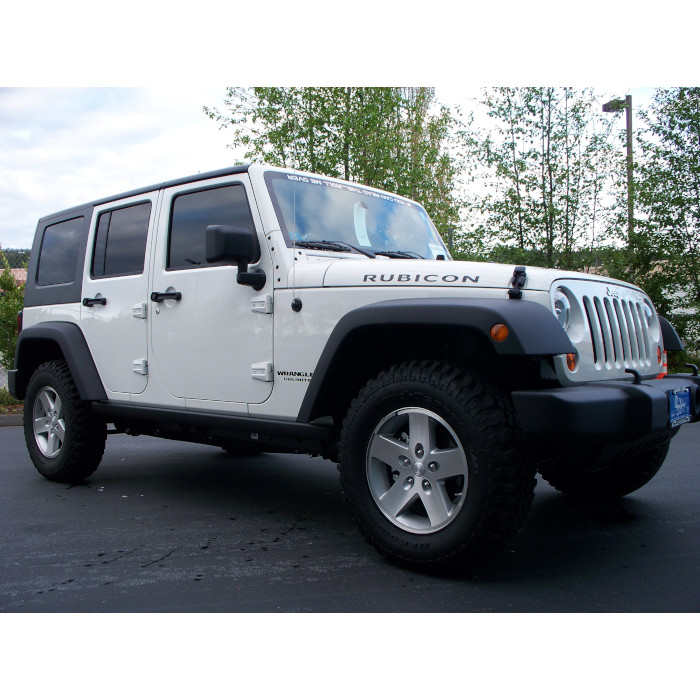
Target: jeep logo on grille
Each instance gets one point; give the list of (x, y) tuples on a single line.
[(613, 293)]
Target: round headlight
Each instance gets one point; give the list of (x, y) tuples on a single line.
[(562, 308), (648, 313)]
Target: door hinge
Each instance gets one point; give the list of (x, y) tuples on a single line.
[(140, 366), (139, 310), (262, 305), (262, 371)]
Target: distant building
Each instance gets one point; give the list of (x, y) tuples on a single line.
[(20, 275)]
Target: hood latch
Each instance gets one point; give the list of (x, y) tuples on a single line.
[(517, 283)]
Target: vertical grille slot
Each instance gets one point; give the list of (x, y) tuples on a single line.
[(604, 329), (596, 332)]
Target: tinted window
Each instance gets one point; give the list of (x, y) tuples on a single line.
[(120, 241), (193, 212), (60, 247)]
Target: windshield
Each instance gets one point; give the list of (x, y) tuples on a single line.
[(313, 210)]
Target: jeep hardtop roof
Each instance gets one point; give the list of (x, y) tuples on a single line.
[(234, 170)]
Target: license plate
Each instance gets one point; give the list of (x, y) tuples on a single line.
[(679, 406)]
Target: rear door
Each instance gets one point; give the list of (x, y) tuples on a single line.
[(208, 338), (115, 291)]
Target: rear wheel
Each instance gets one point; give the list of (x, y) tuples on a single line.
[(431, 464), (65, 440)]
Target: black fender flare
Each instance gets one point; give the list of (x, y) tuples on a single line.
[(670, 337), (74, 348), (533, 330)]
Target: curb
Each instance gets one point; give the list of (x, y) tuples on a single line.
[(11, 419)]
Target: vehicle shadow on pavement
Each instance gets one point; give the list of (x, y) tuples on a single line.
[(560, 532)]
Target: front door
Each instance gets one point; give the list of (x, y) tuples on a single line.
[(206, 336)]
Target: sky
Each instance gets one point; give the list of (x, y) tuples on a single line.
[(61, 147)]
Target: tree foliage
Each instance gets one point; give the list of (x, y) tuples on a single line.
[(11, 302), (544, 159), (387, 137), (667, 192)]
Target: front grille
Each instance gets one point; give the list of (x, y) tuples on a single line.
[(619, 332)]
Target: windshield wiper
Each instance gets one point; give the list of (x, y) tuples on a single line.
[(398, 254), (338, 246)]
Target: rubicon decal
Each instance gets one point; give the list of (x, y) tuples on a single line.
[(448, 279)]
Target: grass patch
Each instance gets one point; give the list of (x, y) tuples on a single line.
[(9, 404)]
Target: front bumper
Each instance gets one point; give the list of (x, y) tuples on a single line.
[(614, 411)]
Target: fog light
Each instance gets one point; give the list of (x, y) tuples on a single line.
[(499, 332), (572, 361)]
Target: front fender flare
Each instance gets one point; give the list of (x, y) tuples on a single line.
[(533, 330)]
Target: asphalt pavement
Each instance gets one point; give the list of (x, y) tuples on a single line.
[(173, 527)]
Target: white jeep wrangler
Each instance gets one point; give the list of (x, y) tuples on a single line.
[(261, 309)]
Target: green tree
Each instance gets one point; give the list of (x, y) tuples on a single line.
[(544, 159), (11, 302), (393, 138), (666, 254)]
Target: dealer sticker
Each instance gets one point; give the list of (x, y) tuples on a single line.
[(679, 406)]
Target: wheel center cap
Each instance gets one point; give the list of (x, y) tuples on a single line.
[(418, 468)]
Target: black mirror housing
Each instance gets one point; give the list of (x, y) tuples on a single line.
[(235, 245), (231, 244)]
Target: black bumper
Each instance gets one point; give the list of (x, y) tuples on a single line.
[(615, 411)]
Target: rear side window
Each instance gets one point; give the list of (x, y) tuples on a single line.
[(120, 241), (193, 212), (60, 248)]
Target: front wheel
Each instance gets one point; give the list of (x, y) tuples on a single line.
[(432, 465), (64, 439)]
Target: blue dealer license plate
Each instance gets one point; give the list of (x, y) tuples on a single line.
[(679, 406)]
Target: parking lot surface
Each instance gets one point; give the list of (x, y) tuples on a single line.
[(174, 527)]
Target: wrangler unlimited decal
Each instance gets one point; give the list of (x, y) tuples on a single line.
[(295, 376)]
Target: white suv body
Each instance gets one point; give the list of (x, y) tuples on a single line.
[(262, 307)]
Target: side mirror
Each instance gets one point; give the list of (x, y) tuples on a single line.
[(235, 245)]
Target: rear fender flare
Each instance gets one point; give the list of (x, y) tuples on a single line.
[(74, 348)]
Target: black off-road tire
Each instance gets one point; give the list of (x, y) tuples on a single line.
[(472, 429), (584, 476), (64, 439)]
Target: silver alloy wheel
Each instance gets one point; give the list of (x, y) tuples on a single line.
[(49, 422), (417, 470)]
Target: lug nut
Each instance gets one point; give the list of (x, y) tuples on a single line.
[(433, 467), (419, 450)]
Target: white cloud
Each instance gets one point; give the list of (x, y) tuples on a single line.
[(63, 147)]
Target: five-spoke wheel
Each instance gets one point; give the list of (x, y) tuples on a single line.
[(417, 470)]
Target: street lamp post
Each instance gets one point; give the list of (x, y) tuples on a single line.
[(617, 105)]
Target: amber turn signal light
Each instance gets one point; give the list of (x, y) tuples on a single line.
[(572, 361), (499, 332)]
